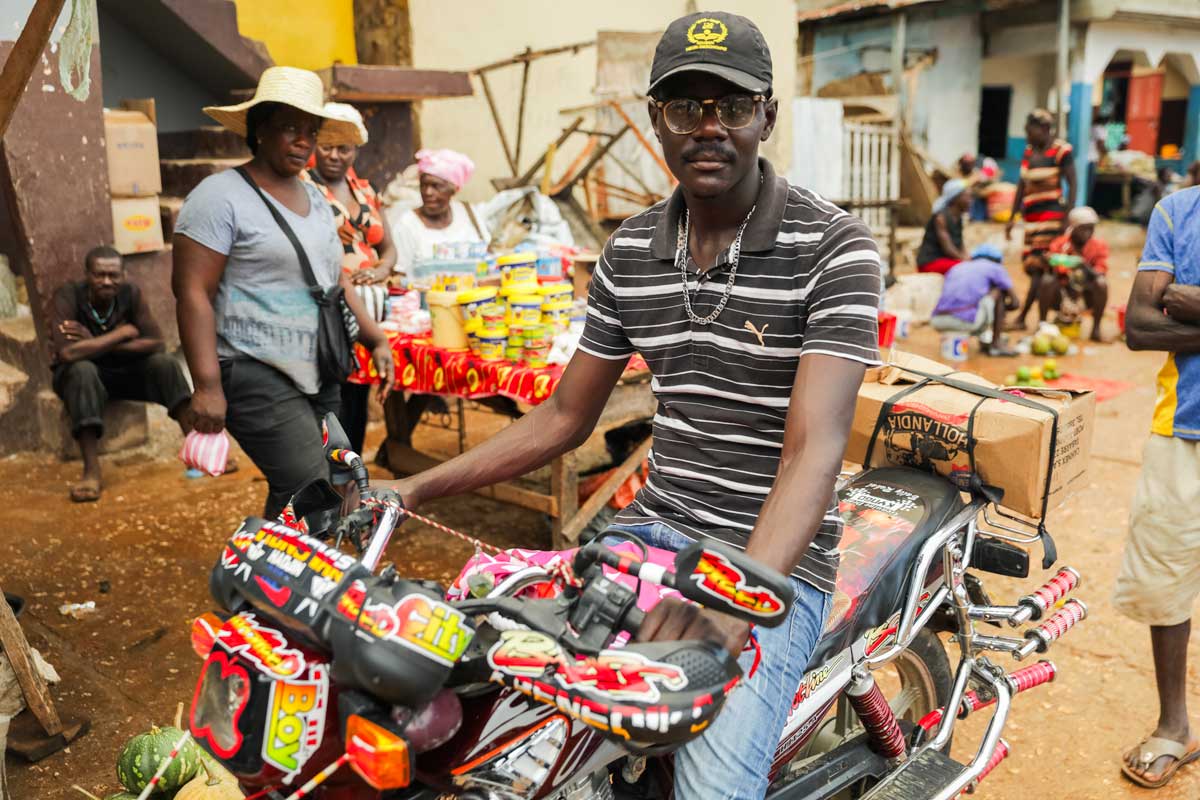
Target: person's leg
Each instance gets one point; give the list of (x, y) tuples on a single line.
[(1095, 295), (277, 427), (1159, 580), (1049, 295), (1033, 268), (352, 413), (83, 393), (732, 760), (157, 378)]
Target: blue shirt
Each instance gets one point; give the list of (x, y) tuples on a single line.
[(1173, 245), (969, 282)]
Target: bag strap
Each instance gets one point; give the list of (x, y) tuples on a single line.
[(305, 266)]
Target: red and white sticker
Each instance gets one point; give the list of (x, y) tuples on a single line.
[(715, 576)]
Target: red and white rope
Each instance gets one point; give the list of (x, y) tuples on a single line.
[(162, 768)]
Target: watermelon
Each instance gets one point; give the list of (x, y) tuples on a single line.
[(144, 753)]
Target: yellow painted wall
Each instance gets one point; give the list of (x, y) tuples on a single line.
[(446, 35), (311, 33)]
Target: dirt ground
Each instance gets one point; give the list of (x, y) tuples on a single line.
[(144, 551)]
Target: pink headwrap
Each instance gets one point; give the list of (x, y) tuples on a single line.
[(447, 165)]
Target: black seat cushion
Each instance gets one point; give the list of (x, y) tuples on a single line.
[(889, 513)]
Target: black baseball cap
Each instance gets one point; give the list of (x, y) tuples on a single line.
[(726, 45)]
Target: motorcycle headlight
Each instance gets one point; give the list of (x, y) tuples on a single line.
[(519, 768)]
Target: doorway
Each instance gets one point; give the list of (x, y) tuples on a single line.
[(994, 109)]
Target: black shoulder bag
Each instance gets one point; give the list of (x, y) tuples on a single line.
[(337, 328)]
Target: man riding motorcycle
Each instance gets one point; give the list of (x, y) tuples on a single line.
[(754, 305)]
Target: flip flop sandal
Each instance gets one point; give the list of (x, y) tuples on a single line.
[(85, 492), (1153, 748)]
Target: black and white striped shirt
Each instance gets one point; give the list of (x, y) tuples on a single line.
[(808, 282)]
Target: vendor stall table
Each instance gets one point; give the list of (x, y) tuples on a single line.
[(512, 390)]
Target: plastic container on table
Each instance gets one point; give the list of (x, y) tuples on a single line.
[(557, 313), (507, 293), (549, 265), (513, 354), (538, 341), (492, 341), (556, 290), (447, 321), (454, 282), (517, 268), (472, 300), (426, 271), (525, 310), (516, 335), (493, 314)]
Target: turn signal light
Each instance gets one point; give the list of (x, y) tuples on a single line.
[(379, 756), (204, 633)]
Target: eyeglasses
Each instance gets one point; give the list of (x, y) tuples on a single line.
[(734, 111)]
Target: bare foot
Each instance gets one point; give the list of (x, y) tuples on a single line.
[(86, 491)]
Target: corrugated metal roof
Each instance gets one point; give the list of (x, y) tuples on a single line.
[(858, 8)]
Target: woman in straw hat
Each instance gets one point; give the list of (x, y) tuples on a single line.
[(247, 320), (368, 253)]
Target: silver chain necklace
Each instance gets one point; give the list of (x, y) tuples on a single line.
[(681, 259)]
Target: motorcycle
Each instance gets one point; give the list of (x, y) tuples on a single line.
[(524, 680)]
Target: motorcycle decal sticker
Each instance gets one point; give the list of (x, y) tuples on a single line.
[(264, 647), (278, 595), (291, 552), (621, 675), (427, 626), (715, 576), (295, 722), (612, 674), (215, 715), (813, 681), (525, 653)]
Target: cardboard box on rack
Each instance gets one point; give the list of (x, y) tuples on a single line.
[(931, 428), (137, 225), (131, 141)]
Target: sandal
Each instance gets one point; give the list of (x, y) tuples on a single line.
[(86, 491), (1153, 748)]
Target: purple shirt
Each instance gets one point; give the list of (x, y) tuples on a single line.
[(967, 283)]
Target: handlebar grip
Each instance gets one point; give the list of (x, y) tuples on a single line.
[(631, 623), (1053, 590)]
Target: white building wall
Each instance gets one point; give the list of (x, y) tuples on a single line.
[(946, 108), (447, 37)]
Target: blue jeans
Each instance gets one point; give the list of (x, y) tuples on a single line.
[(731, 761)]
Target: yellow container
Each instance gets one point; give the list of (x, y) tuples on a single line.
[(518, 290), (525, 310), (492, 342), (517, 269), (556, 291), (473, 326), (446, 316), (493, 314), (557, 313), (513, 354), (472, 300), (516, 335), (454, 283)]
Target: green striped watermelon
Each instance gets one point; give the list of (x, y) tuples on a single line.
[(144, 753)]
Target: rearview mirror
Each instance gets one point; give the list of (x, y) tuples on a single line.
[(332, 434), (724, 579)]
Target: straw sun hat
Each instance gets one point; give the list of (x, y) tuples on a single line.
[(290, 86)]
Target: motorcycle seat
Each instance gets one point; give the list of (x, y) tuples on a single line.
[(888, 513)]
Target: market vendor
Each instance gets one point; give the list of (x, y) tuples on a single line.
[(1045, 165), (369, 254), (1089, 282), (942, 246), (975, 295), (440, 219)]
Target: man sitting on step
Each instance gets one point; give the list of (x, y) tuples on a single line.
[(106, 344)]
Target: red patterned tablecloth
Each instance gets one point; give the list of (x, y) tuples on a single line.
[(425, 369)]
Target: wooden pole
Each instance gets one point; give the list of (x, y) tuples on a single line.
[(528, 175), (645, 143), (521, 110), (604, 492), (600, 153), (491, 101), (37, 694), (533, 55), (24, 56)]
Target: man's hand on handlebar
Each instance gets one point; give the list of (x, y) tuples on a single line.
[(674, 620)]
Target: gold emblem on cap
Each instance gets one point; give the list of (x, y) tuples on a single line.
[(707, 34)]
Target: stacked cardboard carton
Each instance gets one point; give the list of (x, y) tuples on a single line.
[(133, 175)]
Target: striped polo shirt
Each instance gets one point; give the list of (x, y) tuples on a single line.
[(808, 281)]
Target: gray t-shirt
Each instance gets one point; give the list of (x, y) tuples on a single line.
[(263, 307)]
